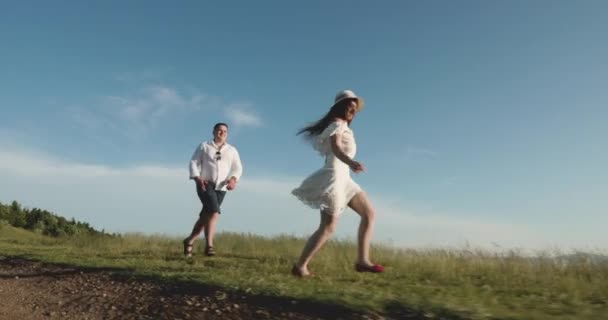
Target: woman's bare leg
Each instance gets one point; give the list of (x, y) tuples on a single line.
[(316, 241), (361, 205)]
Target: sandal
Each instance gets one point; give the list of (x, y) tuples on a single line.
[(209, 251), (187, 248)]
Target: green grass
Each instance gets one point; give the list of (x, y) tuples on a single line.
[(470, 283)]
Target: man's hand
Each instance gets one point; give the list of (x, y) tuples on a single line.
[(200, 183), (231, 183)]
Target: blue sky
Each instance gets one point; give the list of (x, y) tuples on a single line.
[(485, 122)]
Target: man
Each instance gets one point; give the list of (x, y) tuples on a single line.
[(215, 168)]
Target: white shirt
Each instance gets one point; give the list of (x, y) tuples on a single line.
[(216, 164)]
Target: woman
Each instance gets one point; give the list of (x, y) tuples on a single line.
[(331, 188)]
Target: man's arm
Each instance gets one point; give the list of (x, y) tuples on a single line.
[(196, 165), (236, 170)]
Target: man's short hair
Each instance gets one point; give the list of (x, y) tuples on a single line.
[(217, 125)]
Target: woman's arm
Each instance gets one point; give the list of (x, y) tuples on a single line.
[(336, 148)]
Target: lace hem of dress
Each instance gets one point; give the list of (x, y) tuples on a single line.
[(321, 205)]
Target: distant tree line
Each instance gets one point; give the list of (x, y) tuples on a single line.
[(43, 221)]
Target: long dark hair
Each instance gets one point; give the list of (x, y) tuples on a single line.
[(337, 111)]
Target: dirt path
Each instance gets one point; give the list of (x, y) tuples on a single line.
[(35, 290)]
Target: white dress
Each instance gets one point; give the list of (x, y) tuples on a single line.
[(330, 188)]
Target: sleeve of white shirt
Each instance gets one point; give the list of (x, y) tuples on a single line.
[(195, 162), (236, 168)]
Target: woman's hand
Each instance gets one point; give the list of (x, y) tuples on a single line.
[(336, 148), (356, 166)]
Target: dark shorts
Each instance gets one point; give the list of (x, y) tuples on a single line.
[(211, 198)]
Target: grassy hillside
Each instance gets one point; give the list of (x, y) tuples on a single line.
[(472, 284)]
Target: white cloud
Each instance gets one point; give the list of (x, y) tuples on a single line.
[(150, 104), (165, 96), (32, 164), (154, 198), (242, 115), (134, 115), (434, 228)]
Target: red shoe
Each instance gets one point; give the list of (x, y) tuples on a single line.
[(376, 268)]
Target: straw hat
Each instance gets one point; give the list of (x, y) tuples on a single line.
[(348, 94)]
